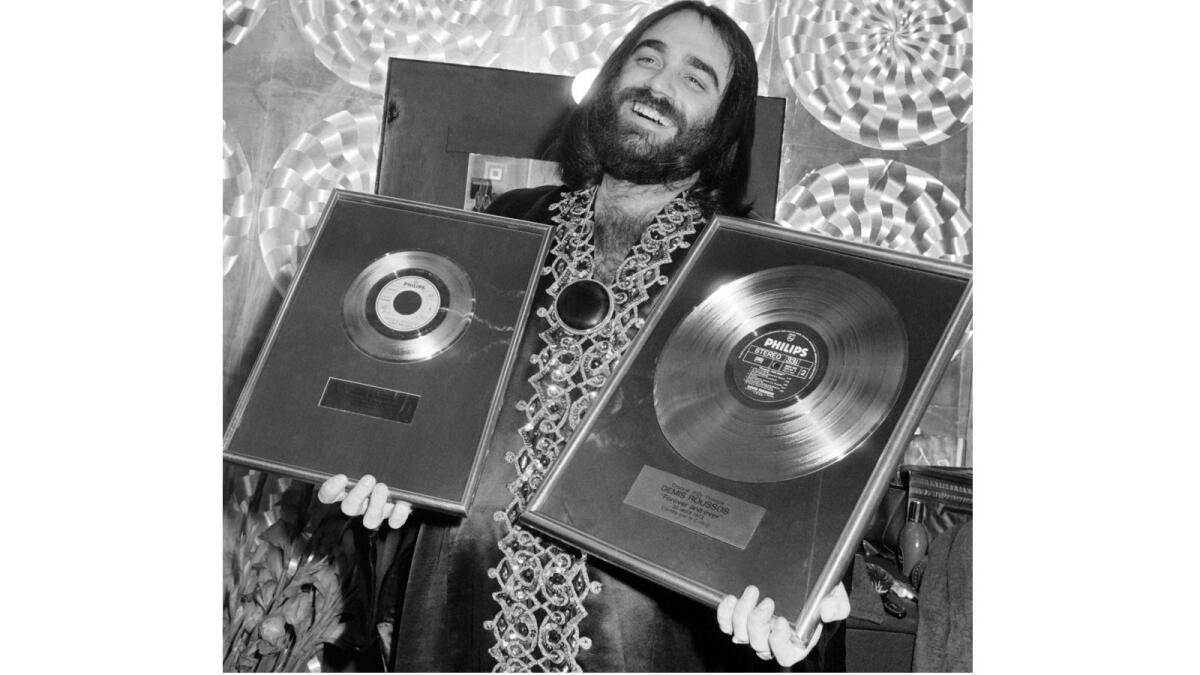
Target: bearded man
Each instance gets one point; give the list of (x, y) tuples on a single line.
[(660, 144)]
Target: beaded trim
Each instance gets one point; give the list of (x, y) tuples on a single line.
[(543, 585)]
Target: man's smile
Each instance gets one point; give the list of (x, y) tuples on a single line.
[(649, 118)]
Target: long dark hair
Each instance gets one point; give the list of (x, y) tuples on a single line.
[(721, 185)]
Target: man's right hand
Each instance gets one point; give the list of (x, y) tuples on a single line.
[(367, 499)]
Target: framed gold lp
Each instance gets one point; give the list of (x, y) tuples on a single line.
[(392, 347), (750, 431)]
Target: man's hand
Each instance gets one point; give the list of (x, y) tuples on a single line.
[(752, 622), (367, 499)]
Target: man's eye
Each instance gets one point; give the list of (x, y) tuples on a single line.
[(695, 82), (648, 60)]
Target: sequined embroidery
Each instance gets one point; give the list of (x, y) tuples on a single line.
[(543, 585)]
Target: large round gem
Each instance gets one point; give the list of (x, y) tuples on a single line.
[(583, 304)]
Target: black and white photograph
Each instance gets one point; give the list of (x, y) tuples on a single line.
[(599, 336), (720, 421)]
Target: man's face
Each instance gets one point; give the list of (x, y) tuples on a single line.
[(655, 120), (674, 79)]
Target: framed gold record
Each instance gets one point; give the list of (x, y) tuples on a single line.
[(391, 350), (750, 430)]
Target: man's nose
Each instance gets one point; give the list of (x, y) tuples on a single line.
[(662, 83)]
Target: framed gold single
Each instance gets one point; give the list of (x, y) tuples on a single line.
[(391, 350)]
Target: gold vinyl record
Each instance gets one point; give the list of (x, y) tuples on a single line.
[(408, 306), (780, 373)]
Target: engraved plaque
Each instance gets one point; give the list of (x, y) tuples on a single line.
[(694, 506), (364, 399)]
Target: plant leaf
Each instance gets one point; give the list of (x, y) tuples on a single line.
[(279, 534)]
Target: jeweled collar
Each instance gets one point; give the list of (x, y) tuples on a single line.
[(542, 586)]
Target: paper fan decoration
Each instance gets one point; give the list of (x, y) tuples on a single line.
[(880, 202), (340, 151), (354, 39), (239, 18), (888, 74), (237, 200)]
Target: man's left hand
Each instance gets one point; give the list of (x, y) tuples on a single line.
[(752, 622)]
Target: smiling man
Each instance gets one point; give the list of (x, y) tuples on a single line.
[(660, 144), (652, 128), (653, 123)]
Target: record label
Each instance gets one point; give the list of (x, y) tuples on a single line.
[(775, 365), (407, 304)]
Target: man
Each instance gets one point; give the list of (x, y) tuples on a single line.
[(660, 143)]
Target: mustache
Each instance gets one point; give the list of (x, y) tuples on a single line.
[(659, 104)]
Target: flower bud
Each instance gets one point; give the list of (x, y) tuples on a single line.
[(254, 614), (298, 610), (272, 631), (266, 592)]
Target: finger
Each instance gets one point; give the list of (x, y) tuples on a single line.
[(373, 518), (759, 625), (355, 503), (786, 644), (399, 514), (836, 605), (333, 489), (725, 614), (741, 612), (781, 641)]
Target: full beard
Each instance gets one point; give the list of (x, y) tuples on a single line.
[(632, 154)]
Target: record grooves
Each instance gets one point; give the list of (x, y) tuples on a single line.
[(780, 373), (408, 306)]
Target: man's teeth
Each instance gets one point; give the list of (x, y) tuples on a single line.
[(650, 114)]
